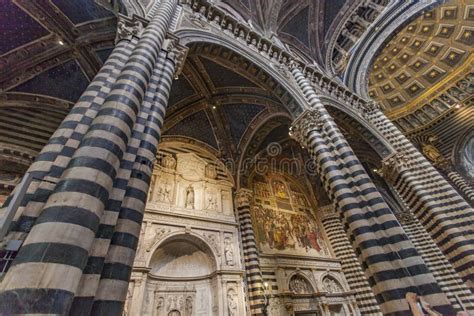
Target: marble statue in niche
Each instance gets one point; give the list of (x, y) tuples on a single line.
[(189, 202), (160, 302), (128, 300), (189, 306), (231, 302), (431, 152), (211, 200), (169, 162), (228, 251)]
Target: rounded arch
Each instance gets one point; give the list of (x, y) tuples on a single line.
[(194, 146), (363, 54), (462, 154), (332, 276), (191, 237), (264, 127), (294, 280), (385, 149), (190, 36)]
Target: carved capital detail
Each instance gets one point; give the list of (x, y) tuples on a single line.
[(127, 27), (177, 53), (404, 217), (326, 211), (243, 197), (309, 120), (392, 166)]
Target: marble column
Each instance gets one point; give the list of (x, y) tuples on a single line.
[(55, 156), (391, 262), (92, 272), (458, 181), (59, 243), (445, 215), (253, 274), (121, 253), (350, 265)]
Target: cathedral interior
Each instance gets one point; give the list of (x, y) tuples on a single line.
[(237, 157)]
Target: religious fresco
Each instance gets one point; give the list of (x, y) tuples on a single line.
[(283, 221)]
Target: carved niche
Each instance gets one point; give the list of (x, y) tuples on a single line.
[(189, 183), (331, 285), (299, 285)]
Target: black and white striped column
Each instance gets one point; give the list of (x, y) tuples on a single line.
[(392, 265), (445, 215), (121, 253), (351, 267), (47, 271), (55, 156), (253, 273), (92, 272), (462, 185)]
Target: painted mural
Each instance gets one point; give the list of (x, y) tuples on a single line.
[(283, 221)]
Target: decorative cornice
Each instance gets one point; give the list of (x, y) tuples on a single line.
[(310, 119), (205, 15)]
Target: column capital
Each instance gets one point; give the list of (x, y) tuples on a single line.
[(243, 197), (176, 52), (127, 27), (310, 119), (326, 211), (392, 166)]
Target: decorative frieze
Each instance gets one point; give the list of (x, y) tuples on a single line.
[(207, 16)]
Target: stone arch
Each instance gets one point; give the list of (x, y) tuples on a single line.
[(190, 36), (362, 56), (332, 277), (459, 152), (197, 147), (187, 236), (384, 148), (263, 128), (300, 279)]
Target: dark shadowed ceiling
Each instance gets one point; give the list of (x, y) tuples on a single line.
[(49, 52)]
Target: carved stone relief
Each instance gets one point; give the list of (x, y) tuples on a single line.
[(188, 183), (299, 285), (331, 285)]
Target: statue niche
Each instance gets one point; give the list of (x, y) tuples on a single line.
[(189, 202)]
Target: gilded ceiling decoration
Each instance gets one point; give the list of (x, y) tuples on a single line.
[(426, 68)]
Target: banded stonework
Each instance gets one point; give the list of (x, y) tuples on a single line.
[(236, 158)]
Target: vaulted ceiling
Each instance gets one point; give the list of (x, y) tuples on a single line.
[(49, 52), (218, 103), (424, 75)]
